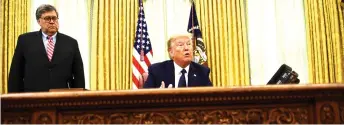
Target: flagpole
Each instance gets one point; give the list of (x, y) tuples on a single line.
[(141, 39), (192, 22)]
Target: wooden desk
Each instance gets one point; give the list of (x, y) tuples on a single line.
[(251, 104)]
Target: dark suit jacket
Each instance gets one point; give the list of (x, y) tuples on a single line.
[(32, 71), (198, 75)]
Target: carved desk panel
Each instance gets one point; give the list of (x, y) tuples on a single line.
[(297, 104)]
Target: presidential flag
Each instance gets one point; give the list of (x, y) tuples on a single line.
[(199, 46)]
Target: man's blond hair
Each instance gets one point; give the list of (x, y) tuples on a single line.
[(174, 37)]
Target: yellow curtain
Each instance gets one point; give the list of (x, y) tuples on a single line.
[(113, 24), (325, 41), (223, 26), (14, 20)]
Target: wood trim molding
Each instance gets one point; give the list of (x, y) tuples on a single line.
[(158, 97), (275, 104)]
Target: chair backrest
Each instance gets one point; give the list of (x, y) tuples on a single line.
[(142, 80)]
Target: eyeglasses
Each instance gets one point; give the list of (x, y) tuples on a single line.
[(49, 18)]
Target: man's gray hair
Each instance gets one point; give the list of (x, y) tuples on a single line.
[(45, 8)]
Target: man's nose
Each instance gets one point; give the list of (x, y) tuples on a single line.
[(186, 48)]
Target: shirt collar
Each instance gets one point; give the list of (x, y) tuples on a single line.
[(177, 68), (45, 35)]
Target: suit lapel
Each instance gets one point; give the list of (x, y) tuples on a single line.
[(41, 45), (58, 46), (191, 75), (169, 77)]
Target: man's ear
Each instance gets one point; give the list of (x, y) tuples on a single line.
[(170, 52), (38, 21)]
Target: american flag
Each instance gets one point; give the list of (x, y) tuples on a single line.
[(142, 51)]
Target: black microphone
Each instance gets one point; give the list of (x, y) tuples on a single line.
[(68, 85), (69, 82), (284, 74)]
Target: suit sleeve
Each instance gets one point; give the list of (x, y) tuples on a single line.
[(150, 82), (209, 82), (16, 75), (78, 69)]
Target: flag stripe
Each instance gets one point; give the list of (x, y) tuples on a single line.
[(136, 73), (141, 63), (138, 66), (150, 56), (147, 61), (135, 81)]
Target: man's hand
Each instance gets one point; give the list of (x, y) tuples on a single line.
[(163, 85), (170, 86)]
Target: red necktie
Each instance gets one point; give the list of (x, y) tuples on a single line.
[(50, 48)]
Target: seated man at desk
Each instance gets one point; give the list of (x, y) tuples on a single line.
[(180, 71)]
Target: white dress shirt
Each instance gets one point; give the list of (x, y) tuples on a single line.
[(178, 73), (45, 40)]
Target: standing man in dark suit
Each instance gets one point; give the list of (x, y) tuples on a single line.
[(180, 71), (46, 59)]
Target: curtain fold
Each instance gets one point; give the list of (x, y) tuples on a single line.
[(325, 41), (223, 24), (112, 38), (14, 20)]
